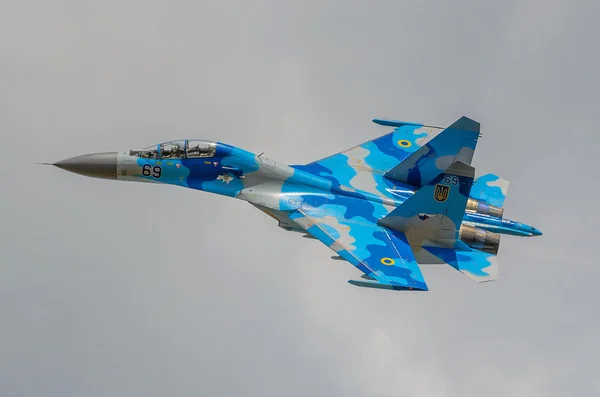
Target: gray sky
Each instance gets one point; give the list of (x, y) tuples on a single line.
[(128, 289)]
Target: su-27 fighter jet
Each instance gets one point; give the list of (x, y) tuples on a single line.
[(405, 199)]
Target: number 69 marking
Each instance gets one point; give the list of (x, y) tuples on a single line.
[(148, 170), (451, 180)]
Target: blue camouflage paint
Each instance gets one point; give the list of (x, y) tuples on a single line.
[(478, 265), (491, 189), (500, 225), (373, 204)]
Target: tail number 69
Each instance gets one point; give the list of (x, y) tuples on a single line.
[(148, 170), (451, 180)]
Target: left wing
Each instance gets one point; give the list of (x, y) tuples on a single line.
[(382, 254)]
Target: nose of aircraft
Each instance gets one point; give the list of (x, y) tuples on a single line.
[(535, 231), (95, 165)]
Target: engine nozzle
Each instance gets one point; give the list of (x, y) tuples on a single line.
[(480, 239), (483, 208)]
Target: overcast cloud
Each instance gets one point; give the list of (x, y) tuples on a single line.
[(123, 289)]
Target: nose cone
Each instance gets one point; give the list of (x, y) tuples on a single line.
[(535, 231), (95, 165)]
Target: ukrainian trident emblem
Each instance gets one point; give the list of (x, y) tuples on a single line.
[(441, 192)]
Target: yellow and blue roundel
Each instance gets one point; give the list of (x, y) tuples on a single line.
[(387, 261)]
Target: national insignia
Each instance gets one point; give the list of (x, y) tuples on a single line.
[(441, 192), (387, 261)]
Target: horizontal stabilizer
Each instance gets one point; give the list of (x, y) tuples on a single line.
[(477, 265), (491, 189), (455, 143)]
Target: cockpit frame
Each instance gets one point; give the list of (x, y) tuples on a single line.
[(181, 149)]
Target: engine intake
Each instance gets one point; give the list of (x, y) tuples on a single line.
[(483, 208), (480, 239)]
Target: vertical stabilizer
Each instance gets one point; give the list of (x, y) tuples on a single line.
[(455, 143), (436, 211)]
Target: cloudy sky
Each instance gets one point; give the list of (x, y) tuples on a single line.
[(124, 289)]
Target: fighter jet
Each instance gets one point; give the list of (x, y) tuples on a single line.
[(388, 205)]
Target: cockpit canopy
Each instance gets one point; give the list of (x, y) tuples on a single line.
[(184, 149)]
